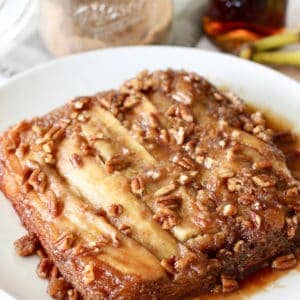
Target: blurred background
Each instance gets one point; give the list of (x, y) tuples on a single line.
[(36, 31)]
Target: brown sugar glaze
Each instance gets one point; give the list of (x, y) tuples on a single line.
[(262, 279)]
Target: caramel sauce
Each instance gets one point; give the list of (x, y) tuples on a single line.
[(261, 280)]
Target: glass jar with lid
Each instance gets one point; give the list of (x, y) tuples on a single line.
[(71, 26)]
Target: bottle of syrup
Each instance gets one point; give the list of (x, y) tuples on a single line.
[(230, 23)]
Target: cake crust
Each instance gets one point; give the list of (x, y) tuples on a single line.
[(157, 189)]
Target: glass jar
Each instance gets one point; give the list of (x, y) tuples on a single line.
[(71, 26)]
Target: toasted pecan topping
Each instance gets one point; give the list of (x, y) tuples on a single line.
[(88, 274), (228, 284), (137, 185), (184, 161), (168, 265), (264, 180), (166, 218), (125, 229), (117, 162), (64, 241), (38, 180), (58, 288), (115, 210), (165, 190), (26, 245), (229, 210), (234, 184), (284, 262), (81, 103), (44, 268), (168, 201), (54, 205)]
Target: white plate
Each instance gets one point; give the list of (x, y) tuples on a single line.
[(49, 86)]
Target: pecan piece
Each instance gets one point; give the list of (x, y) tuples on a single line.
[(168, 201), (184, 161), (228, 284), (38, 180), (125, 229), (165, 190), (54, 206), (166, 218), (64, 241), (116, 163), (264, 181), (26, 245), (137, 185), (44, 268), (229, 210), (88, 274), (58, 288), (115, 210), (284, 262)]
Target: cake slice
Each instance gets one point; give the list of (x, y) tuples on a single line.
[(155, 190)]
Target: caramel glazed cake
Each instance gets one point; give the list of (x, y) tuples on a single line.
[(160, 188)]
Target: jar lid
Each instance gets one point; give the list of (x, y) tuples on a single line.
[(14, 16)]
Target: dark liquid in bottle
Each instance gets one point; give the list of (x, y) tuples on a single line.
[(229, 23)]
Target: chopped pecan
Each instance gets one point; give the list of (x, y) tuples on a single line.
[(76, 160), (264, 164), (234, 184), (184, 161), (225, 173), (88, 274), (115, 239), (48, 146), (54, 205), (58, 288), (49, 159), (166, 218), (22, 150), (44, 268), (153, 120), (64, 241), (125, 229), (169, 264), (167, 189), (185, 113), (179, 135), (26, 245), (229, 210), (83, 117), (73, 294), (81, 103), (228, 284), (246, 199), (292, 192), (264, 180), (115, 210), (131, 101), (256, 219), (164, 136), (238, 246), (284, 262), (137, 185), (183, 92), (169, 201), (38, 180), (116, 163)]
